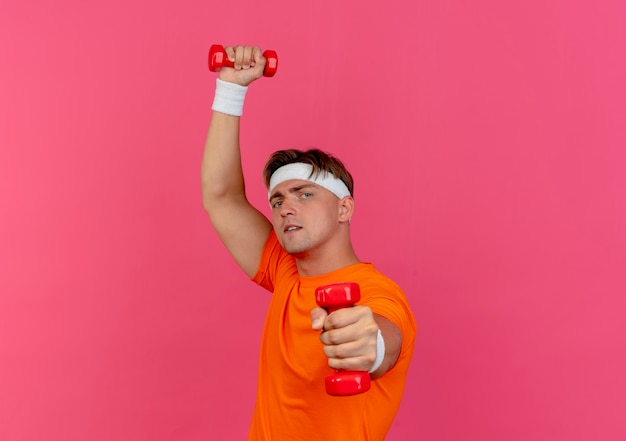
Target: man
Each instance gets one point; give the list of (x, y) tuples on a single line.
[(307, 244)]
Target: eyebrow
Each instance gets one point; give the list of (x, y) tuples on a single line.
[(297, 188)]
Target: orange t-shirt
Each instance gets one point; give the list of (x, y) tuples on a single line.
[(291, 402)]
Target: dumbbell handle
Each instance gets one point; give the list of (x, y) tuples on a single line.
[(219, 59), (333, 297)]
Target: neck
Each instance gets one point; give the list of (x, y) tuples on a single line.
[(314, 264)]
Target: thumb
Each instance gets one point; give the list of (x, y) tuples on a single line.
[(318, 316)]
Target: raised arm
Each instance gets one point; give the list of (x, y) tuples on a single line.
[(240, 226)]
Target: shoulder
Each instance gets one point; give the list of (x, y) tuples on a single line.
[(275, 263), (372, 281)]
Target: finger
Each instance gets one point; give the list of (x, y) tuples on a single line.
[(357, 355), (348, 316), (358, 363), (318, 316), (247, 57), (360, 331), (239, 50), (340, 336), (257, 57), (230, 53), (362, 347), (353, 350)]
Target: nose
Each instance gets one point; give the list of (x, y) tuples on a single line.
[(287, 208)]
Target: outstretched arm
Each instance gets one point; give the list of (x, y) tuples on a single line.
[(240, 226)]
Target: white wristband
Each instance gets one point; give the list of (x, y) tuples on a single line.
[(229, 98), (380, 352)]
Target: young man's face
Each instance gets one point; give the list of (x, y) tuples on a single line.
[(305, 216)]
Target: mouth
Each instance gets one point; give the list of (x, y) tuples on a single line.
[(291, 228)]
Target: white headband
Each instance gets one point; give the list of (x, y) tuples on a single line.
[(298, 170)]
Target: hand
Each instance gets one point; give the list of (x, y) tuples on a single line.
[(349, 336), (249, 64)]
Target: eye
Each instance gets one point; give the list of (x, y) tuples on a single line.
[(306, 195), (277, 204)]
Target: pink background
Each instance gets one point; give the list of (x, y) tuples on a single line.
[(487, 140)]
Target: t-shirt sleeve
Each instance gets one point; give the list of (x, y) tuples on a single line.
[(387, 299), (272, 256)]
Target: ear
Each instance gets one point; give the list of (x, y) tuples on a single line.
[(346, 208)]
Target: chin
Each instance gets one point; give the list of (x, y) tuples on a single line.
[(295, 249)]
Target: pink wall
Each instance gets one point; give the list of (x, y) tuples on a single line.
[(499, 206)]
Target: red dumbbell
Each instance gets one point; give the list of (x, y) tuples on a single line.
[(218, 59), (333, 297)]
